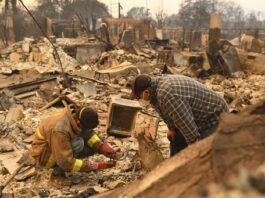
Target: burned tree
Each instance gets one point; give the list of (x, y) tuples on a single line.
[(11, 4), (160, 18), (90, 11)]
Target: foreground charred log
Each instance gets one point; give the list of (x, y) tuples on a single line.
[(238, 142)]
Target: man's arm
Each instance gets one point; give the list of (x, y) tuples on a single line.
[(178, 114), (98, 146)]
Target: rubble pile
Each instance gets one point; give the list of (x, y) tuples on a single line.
[(118, 58), (37, 54), (20, 131), (95, 85), (240, 90)]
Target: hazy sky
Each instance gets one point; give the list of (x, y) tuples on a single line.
[(172, 6)]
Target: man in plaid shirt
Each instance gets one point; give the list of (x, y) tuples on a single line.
[(190, 109)]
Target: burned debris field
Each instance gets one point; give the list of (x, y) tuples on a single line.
[(137, 102)]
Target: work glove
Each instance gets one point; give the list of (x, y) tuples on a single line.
[(89, 166), (104, 165), (171, 135), (106, 150)]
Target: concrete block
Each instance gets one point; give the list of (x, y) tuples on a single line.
[(86, 53), (88, 89), (15, 57), (15, 113), (252, 61), (255, 62), (37, 57), (196, 40), (9, 159), (26, 46), (7, 193), (230, 58), (122, 116)]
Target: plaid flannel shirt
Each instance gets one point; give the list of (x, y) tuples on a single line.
[(186, 105)]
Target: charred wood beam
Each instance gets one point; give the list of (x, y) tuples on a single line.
[(20, 85), (90, 79), (25, 89), (25, 95)]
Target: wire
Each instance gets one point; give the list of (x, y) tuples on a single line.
[(66, 82)]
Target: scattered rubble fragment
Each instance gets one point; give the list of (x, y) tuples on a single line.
[(37, 54)]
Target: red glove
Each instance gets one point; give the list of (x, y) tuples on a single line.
[(89, 166), (171, 135), (104, 165), (106, 150)]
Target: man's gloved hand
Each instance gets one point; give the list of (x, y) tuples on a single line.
[(89, 166), (106, 150), (104, 165), (171, 135)]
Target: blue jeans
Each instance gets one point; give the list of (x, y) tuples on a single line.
[(80, 150), (179, 143)]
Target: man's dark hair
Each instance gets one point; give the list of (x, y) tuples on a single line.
[(140, 83), (88, 117)]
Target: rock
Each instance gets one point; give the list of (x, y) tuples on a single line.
[(6, 100), (6, 146), (25, 47), (9, 160), (257, 179), (88, 192), (26, 173), (239, 74), (43, 192), (147, 124), (115, 184), (29, 131), (7, 193), (125, 166), (2, 118), (122, 82), (15, 57), (103, 107), (99, 189), (49, 91), (29, 139), (88, 89), (15, 113), (116, 142), (24, 192), (120, 52)]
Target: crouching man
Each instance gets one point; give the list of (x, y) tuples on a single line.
[(190, 109), (63, 139)]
